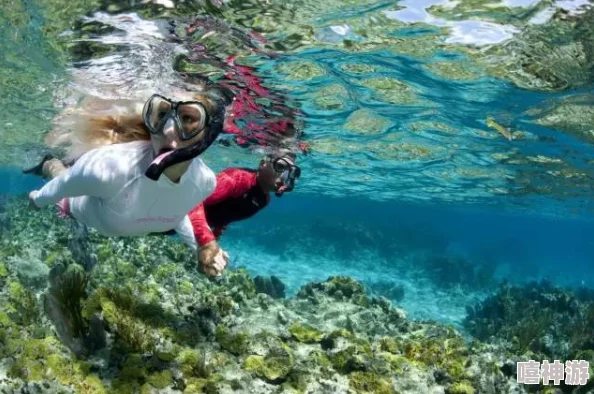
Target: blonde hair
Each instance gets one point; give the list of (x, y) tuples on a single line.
[(98, 122)]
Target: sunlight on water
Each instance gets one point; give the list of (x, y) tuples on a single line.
[(462, 32), (139, 65), (383, 124), (29, 73)]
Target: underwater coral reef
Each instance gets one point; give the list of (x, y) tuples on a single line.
[(91, 314), (539, 321)]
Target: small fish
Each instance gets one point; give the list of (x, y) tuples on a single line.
[(504, 131)]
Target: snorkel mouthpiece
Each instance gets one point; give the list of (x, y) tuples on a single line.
[(280, 191), (288, 177), (164, 161)]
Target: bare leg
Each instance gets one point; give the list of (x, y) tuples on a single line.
[(52, 168)]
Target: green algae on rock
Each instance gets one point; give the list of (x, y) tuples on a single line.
[(234, 343), (460, 388), (22, 304), (3, 270), (161, 380), (332, 97), (364, 121), (40, 360), (368, 382), (573, 115), (305, 333), (273, 367), (455, 70), (390, 90), (301, 70)]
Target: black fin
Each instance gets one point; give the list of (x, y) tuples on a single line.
[(37, 169)]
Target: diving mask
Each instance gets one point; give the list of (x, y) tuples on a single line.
[(288, 172), (189, 117)]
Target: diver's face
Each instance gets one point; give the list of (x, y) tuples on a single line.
[(169, 140), (175, 125), (182, 129), (274, 175)]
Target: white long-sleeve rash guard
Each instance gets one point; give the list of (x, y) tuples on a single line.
[(107, 190)]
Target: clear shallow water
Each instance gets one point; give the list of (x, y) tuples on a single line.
[(399, 131), (308, 238)]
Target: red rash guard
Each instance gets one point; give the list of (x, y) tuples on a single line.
[(237, 196)]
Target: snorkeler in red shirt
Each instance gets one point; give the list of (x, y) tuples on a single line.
[(239, 194)]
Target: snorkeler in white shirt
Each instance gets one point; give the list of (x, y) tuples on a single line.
[(118, 187)]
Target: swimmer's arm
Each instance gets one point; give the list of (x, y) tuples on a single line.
[(91, 175), (224, 189), (231, 183), (200, 228), (184, 230)]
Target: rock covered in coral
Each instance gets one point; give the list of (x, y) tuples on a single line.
[(538, 319), (168, 329), (272, 286)]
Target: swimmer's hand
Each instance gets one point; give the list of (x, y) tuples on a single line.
[(212, 260), (32, 199)]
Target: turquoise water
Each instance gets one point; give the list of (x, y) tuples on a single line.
[(427, 159), (384, 245)]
